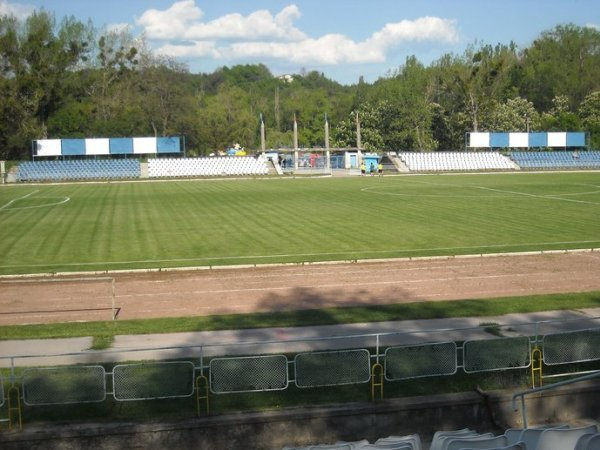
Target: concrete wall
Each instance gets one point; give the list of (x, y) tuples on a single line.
[(273, 430)]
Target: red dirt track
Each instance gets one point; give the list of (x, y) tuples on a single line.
[(293, 287)]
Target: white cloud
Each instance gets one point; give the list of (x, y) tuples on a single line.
[(195, 50), (423, 29), (169, 24), (182, 21), (19, 10), (262, 35), (329, 49)]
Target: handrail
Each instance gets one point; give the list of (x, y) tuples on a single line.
[(548, 387)]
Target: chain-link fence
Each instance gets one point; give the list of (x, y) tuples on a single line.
[(153, 380), (575, 346), (248, 374), (496, 354), (418, 361), (332, 368), (64, 385), (261, 366)]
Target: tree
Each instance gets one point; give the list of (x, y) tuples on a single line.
[(516, 114), (484, 78), (37, 58), (405, 107), (560, 117), (162, 86), (116, 58), (589, 111), (344, 134), (225, 119), (562, 61)]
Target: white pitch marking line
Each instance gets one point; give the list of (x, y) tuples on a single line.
[(17, 199), (64, 200), (549, 197)]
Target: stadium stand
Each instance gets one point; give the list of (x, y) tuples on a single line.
[(561, 437), (206, 167), (456, 161), (557, 160), (78, 170)]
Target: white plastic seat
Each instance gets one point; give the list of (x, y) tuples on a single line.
[(530, 436), (439, 437), (331, 447), (513, 435), (476, 442), (405, 446), (515, 446), (593, 443), (583, 441), (354, 445), (413, 439), (563, 439)]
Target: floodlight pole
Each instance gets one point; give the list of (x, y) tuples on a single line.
[(358, 139), (327, 152), (295, 143), (262, 134)]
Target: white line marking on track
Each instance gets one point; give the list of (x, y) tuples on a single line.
[(343, 285)]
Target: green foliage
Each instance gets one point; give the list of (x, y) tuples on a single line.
[(405, 108), (516, 114), (72, 80), (369, 118), (562, 61), (589, 112)]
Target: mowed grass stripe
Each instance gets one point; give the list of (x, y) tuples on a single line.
[(187, 223)]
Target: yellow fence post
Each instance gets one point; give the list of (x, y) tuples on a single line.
[(199, 380), (536, 366), (377, 380), (14, 395)]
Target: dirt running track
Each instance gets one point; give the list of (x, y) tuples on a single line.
[(293, 287)]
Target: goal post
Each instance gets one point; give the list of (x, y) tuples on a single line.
[(58, 299)]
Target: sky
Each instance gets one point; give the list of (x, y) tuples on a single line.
[(343, 39)]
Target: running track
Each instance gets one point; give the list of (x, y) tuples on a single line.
[(293, 287)]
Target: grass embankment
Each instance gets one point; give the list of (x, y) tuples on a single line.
[(104, 331)]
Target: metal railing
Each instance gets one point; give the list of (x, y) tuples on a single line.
[(274, 365), (549, 387)]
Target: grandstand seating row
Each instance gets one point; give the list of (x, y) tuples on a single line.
[(249, 165), (557, 160), (544, 438), (214, 166), (456, 161), (78, 169)]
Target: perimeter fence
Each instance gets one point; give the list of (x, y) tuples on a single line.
[(202, 372)]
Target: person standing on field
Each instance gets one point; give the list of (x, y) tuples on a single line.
[(363, 168)]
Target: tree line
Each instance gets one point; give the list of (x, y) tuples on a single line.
[(72, 80)]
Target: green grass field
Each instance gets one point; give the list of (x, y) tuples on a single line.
[(72, 227), (75, 227)]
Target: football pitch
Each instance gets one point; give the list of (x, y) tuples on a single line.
[(192, 223)]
